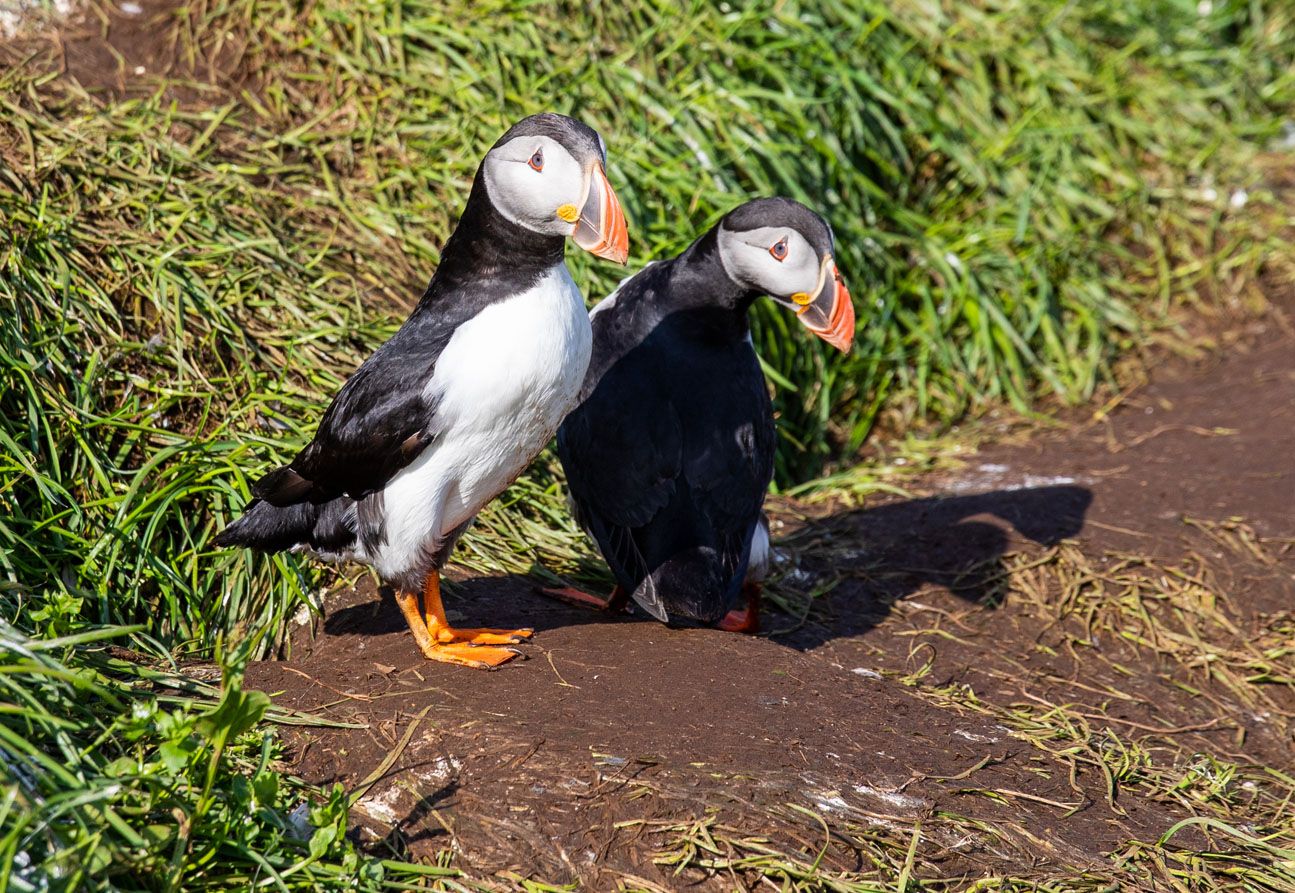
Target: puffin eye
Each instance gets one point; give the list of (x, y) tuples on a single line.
[(536, 161), (779, 250)]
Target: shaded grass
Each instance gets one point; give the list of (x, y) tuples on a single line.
[(1018, 192)]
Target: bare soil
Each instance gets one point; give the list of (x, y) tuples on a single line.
[(880, 702), (135, 48)]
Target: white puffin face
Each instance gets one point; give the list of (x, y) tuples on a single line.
[(796, 270), (775, 260), (536, 183)]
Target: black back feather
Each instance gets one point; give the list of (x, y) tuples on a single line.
[(669, 455)]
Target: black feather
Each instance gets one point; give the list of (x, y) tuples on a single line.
[(282, 486), (325, 527), (670, 453)]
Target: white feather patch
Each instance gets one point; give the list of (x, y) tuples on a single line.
[(757, 567), (505, 381)]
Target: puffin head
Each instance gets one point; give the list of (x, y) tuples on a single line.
[(781, 248), (546, 175)]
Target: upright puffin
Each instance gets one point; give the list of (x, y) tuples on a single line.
[(670, 452), (445, 415)]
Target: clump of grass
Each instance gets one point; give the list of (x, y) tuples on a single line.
[(116, 780), (1176, 612)]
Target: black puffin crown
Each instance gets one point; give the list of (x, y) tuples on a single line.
[(781, 212), (581, 141)]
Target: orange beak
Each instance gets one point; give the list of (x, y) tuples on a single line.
[(601, 228), (830, 315)]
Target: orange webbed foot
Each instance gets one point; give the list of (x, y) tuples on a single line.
[(747, 619), (475, 656), (439, 641), (451, 635)]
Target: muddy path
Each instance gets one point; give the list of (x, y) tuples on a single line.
[(971, 655), (1190, 478)]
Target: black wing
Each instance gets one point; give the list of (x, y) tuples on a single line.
[(621, 467), (729, 471), (376, 425), (669, 450)]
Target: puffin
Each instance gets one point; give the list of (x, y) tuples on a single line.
[(669, 453), (442, 417)]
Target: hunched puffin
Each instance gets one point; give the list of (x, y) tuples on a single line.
[(445, 415), (670, 452)]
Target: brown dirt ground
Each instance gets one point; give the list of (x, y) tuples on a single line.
[(1203, 449), (136, 48), (565, 765)]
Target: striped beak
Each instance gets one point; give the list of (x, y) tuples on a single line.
[(830, 313), (601, 228)]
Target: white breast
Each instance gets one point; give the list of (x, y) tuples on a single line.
[(503, 384)]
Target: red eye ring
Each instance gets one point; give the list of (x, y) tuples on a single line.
[(536, 161), (779, 250)]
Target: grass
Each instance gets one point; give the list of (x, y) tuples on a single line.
[(1019, 193), (115, 780)]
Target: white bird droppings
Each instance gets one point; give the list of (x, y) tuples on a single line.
[(382, 805), (893, 798)]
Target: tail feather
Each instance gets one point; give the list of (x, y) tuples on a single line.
[(691, 585), (324, 527), (282, 487)]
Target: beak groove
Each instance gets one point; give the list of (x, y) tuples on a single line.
[(601, 228)]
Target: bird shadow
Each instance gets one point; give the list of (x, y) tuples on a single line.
[(847, 570), (872, 558)]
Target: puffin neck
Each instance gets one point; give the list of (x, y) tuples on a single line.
[(702, 289), (486, 245)]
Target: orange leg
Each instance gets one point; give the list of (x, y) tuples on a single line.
[(444, 634), (465, 655), (747, 620), (618, 601)]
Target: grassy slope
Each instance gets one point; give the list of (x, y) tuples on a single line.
[(1015, 192)]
